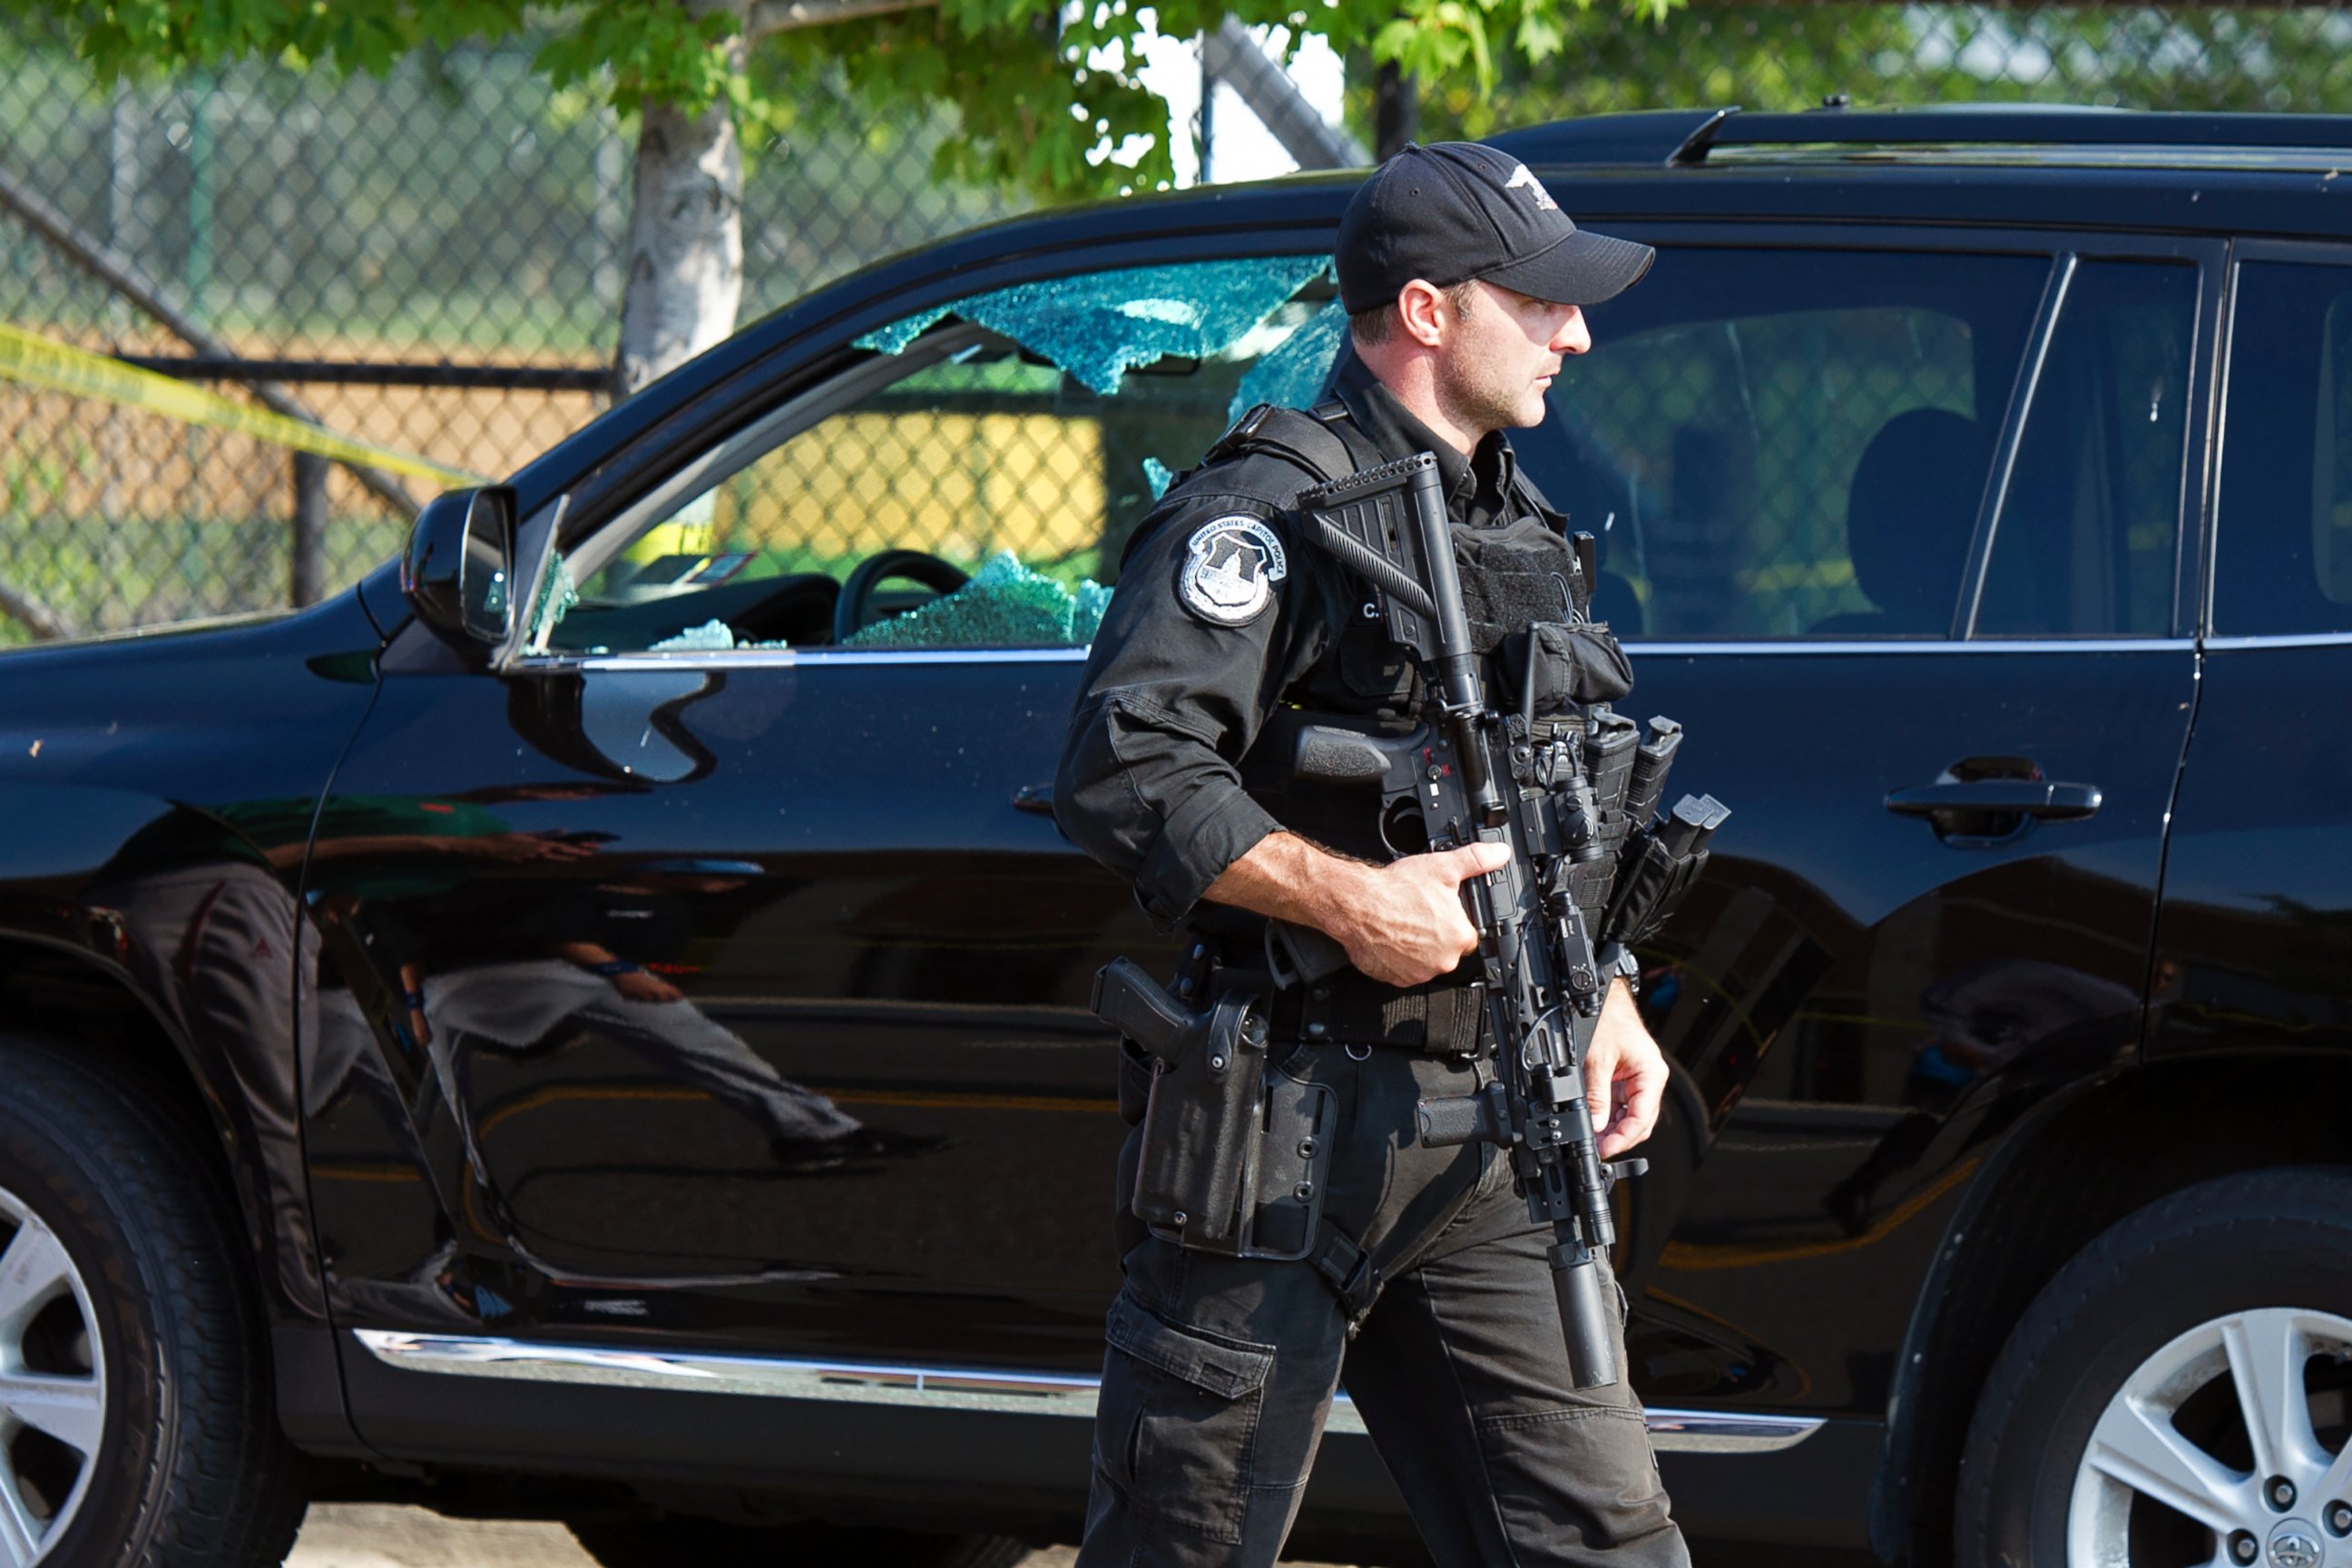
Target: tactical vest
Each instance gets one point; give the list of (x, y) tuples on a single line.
[(1512, 575)]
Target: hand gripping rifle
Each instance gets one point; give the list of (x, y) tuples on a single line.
[(1557, 796)]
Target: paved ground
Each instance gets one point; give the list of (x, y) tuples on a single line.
[(357, 1535), (367, 1535)]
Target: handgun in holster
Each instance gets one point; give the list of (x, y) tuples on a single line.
[(1236, 1153)]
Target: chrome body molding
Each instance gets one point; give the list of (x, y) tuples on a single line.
[(1798, 646), (816, 657), (928, 1388), (791, 658), (2309, 639)]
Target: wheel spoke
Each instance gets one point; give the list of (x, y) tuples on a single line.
[(18, 1537), (71, 1409), (2266, 1353), (2143, 1450), (2331, 1487), (31, 1269)]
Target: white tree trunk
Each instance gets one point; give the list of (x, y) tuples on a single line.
[(685, 232)]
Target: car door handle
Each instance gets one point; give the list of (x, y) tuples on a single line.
[(2038, 798), (1038, 798)]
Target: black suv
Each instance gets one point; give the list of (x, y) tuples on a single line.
[(593, 1021)]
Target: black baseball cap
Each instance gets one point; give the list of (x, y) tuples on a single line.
[(1459, 210)]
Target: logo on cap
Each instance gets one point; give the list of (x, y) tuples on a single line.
[(1520, 176), (1229, 569)]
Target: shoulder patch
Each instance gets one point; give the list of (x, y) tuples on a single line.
[(1229, 569)]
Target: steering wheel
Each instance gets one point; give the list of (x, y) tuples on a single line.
[(857, 592)]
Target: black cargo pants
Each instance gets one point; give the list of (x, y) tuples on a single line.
[(1221, 1370)]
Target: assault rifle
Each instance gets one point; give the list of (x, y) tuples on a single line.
[(1562, 792)]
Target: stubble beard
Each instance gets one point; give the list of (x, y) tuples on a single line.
[(1481, 398)]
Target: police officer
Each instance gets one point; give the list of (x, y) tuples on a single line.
[(1463, 282)]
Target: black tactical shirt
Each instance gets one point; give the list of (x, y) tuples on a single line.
[(1222, 614)]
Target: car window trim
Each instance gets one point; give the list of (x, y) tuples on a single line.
[(2054, 291), (2241, 252), (2209, 256)]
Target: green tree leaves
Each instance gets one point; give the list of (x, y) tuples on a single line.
[(1045, 88)]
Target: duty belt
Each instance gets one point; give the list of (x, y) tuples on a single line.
[(1349, 1009)]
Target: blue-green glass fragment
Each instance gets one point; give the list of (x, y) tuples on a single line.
[(710, 637), (1005, 605), (1087, 612), (894, 338), (1292, 376), (1100, 326), (557, 596)]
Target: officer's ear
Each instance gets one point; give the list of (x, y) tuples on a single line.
[(1426, 312)]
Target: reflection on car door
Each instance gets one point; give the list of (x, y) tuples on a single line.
[(742, 992), (719, 1020), (1932, 902)]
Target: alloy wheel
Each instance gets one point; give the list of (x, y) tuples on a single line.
[(52, 1386), (2224, 1449)]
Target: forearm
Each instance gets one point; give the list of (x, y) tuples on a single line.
[(1285, 877)]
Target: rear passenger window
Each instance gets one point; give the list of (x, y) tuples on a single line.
[(2087, 540), (2283, 549), (1774, 443)]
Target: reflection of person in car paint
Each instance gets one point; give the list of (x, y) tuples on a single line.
[(2020, 1021), (576, 960), (516, 1006), (212, 930)]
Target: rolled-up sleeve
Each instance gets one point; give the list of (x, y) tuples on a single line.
[(1150, 783)]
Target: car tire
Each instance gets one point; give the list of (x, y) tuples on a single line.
[(2112, 1428), (129, 1324), (714, 1543)]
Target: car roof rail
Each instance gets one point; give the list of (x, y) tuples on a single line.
[(1684, 138), (1649, 136)]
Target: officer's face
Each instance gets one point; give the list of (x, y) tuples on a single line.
[(1496, 359)]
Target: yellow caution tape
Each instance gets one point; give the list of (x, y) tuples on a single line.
[(28, 357)]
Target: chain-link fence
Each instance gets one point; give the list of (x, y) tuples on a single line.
[(460, 213)]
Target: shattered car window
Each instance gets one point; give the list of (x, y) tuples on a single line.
[(1100, 327), (1005, 605), (1032, 429)]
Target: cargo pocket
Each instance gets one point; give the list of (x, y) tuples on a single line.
[(1178, 1425)]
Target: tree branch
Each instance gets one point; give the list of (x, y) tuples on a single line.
[(785, 16), (1234, 58)]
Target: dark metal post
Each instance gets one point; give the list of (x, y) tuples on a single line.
[(306, 555), (1396, 110)]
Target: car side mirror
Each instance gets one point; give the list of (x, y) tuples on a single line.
[(459, 569)]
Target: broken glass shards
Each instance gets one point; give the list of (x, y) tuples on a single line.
[(558, 595), (894, 338), (710, 637), (1087, 611), (1005, 605), (1293, 374), (1100, 326)]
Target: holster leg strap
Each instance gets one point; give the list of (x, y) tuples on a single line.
[(1347, 1268)]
